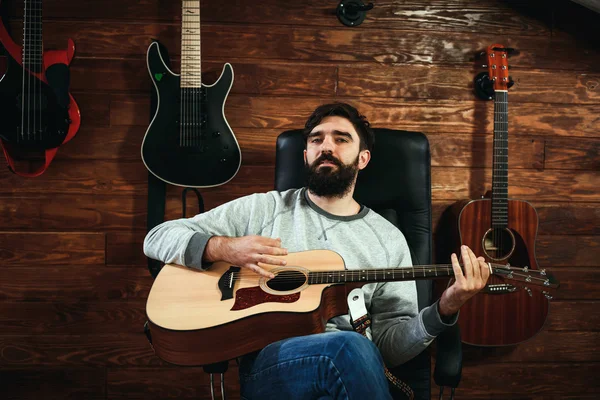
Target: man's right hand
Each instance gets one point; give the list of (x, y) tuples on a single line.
[(246, 252)]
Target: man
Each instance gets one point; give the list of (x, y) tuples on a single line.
[(254, 230)]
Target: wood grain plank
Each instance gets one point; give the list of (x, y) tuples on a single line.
[(433, 116), (568, 218), (529, 381), (126, 248), (94, 109), (118, 178), (115, 39), (572, 251), (40, 248), (124, 143), (160, 383), (573, 316), (273, 78), (562, 153), (446, 82), (518, 17), (134, 350), (546, 346), (462, 183), (88, 212), (477, 151), (54, 384), (72, 318), (577, 283), (77, 350), (69, 283)]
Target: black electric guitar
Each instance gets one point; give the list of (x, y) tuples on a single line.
[(189, 142)]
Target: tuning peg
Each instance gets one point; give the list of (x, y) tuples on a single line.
[(542, 272), (525, 268), (528, 291), (547, 295)]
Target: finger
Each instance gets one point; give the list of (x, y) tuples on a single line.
[(265, 259), (270, 242), (468, 267), (475, 264), (274, 251), (458, 274), (260, 271), (485, 269)]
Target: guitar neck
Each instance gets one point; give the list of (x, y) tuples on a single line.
[(381, 274), (32, 36), (191, 73), (500, 161)]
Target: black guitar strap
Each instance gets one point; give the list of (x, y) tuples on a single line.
[(157, 196)]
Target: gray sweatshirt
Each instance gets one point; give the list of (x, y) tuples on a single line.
[(364, 240)]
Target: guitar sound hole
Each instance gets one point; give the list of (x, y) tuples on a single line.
[(287, 280), (498, 243)]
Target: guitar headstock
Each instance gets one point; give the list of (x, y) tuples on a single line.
[(497, 63), (527, 278)]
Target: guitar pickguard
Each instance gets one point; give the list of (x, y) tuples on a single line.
[(250, 297)]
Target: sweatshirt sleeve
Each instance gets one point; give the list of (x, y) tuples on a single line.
[(183, 241), (399, 330)]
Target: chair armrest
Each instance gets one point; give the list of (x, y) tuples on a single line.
[(448, 360)]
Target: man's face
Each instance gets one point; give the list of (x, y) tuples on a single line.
[(333, 157)]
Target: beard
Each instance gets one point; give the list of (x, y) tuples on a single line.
[(329, 181)]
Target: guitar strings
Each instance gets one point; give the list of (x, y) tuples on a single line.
[(248, 276)]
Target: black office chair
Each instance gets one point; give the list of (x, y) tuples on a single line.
[(397, 185)]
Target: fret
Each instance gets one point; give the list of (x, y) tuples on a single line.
[(191, 66)]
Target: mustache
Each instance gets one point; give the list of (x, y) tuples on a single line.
[(327, 157)]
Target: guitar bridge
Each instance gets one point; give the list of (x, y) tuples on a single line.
[(226, 283), (502, 288)]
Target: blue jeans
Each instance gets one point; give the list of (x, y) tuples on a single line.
[(333, 365)]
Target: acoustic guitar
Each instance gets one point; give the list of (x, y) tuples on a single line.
[(502, 230), (38, 113), (203, 317), (189, 142)]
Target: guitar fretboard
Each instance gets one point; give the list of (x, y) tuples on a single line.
[(500, 160), (380, 274), (32, 36), (190, 44)]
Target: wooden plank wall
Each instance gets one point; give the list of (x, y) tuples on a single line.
[(73, 280)]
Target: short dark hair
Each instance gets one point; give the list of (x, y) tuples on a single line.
[(359, 121)]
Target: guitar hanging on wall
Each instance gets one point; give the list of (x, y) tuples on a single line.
[(502, 230), (189, 142), (38, 113)]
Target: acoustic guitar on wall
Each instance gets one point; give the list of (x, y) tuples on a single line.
[(502, 230), (203, 317), (189, 142)]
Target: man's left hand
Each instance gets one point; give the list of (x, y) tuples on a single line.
[(468, 281)]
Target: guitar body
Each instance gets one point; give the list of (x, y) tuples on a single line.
[(202, 153), (38, 111), (192, 325), (496, 316)]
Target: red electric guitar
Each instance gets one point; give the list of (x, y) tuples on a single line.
[(38, 113)]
